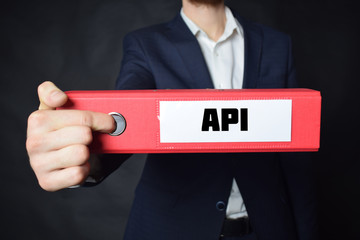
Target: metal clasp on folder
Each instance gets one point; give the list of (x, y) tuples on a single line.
[(120, 123)]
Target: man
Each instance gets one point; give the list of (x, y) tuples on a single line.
[(189, 196)]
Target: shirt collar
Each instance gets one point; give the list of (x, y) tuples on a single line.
[(191, 25), (231, 25)]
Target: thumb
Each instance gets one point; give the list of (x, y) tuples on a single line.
[(50, 96)]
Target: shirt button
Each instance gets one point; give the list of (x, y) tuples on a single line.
[(220, 206)]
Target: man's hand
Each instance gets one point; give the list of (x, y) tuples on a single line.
[(57, 140)]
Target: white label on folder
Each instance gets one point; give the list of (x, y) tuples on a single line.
[(225, 121)]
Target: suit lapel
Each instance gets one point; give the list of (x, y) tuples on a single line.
[(190, 52), (253, 39)]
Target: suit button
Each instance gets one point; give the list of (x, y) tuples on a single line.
[(220, 206)]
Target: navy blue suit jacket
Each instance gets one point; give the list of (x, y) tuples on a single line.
[(184, 196)]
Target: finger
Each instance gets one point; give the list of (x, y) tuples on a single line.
[(64, 178), (71, 156), (46, 121), (50, 96), (55, 140)]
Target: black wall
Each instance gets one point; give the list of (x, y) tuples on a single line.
[(77, 44)]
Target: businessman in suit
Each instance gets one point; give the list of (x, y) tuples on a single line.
[(189, 196)]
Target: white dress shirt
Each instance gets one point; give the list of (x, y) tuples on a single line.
[(225, 61)]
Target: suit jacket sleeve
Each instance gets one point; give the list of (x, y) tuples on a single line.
[(298, 171), (134, 74)]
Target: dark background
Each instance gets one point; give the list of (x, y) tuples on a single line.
[(78, 45)]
